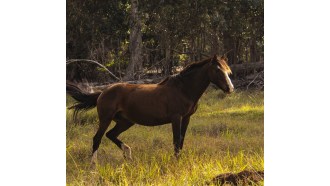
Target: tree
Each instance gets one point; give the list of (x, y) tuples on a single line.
[(128, 36), (135, 40)]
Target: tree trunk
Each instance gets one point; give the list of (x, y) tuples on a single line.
[(253, 50), (168, 61), (228, 42), (215, 43), (135, 45)]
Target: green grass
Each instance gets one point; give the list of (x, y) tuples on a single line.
[(226, 134)]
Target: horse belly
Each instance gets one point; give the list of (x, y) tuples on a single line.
[(146, 119), (147, 112)]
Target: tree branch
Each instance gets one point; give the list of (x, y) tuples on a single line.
[(92, 61)]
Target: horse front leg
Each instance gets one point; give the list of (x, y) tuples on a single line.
[(176, 129), (184, 126)]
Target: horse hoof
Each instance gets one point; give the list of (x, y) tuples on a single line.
[(126, 151), (177, 155), (94, 160), (128, 158), (93, 164)]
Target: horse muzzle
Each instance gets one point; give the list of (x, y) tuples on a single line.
[(230, 90)]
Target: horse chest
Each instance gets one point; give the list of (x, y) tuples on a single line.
[(182, 107)]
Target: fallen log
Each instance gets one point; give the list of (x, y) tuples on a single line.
[(241, 178), (247, 66), (247, 81)]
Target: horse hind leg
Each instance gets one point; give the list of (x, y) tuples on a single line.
[(121, 126), (103, 126)]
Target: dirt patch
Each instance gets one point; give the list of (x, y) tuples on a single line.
[(241, 178)]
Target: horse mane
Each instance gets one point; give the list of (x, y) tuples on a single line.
[(186, 70), (193, 66), (224, 66), (189, 68)]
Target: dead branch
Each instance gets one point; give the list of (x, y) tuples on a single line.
[(144, 71), (92, 61), (258, 83)]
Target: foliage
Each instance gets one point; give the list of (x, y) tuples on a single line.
[(100, 30)]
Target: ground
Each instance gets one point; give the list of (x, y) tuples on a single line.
[(225, 135)]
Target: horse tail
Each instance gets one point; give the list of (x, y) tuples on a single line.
[(84, 100)]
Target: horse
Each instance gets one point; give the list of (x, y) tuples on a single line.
[(173, 100)]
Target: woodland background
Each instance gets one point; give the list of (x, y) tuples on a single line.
[(140, 39)]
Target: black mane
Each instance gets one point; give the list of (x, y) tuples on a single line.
[(193, 66), (189, 68)]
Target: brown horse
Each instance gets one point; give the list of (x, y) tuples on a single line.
[(173, 100)]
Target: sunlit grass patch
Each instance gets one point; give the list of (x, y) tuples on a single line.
[(224, 135)]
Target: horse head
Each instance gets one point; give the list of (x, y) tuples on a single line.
[(219, 74)]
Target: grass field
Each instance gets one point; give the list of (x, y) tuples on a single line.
[(226, 134)]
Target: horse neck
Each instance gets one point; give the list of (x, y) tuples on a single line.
[(195, 83)]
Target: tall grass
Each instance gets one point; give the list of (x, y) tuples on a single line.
[(224, 135)]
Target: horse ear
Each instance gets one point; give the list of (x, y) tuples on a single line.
[(224, 58), (215, 58)]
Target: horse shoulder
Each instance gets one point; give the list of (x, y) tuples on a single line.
[(178, 103)]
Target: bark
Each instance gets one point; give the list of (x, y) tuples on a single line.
[(135, 45), (168, 60), (229, 46), (253, 50), (215, 43)]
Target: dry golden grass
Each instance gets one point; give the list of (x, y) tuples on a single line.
[(226, 134)]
